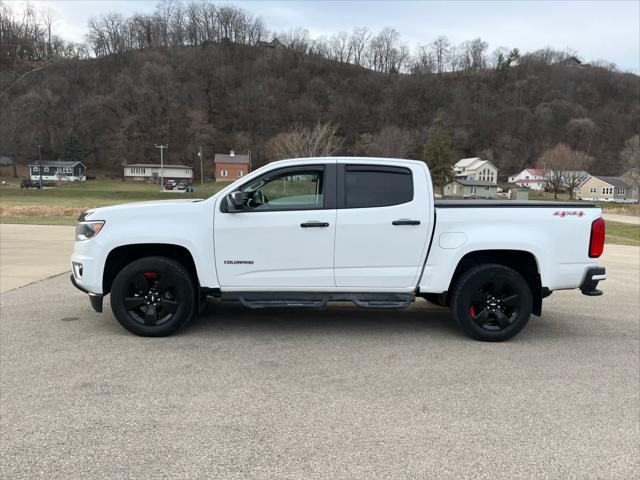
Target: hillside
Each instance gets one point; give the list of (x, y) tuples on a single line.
[(223, 96)]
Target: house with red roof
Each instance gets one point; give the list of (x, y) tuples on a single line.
[(532, 178)]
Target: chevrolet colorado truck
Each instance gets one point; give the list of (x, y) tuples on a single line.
[(303, 232)]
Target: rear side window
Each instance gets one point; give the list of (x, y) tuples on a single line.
[(371, 186)]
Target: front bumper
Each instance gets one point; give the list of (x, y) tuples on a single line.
[(591, 279), (94, 298)]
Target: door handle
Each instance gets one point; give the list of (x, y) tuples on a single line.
[(314, 224), (404, 221)]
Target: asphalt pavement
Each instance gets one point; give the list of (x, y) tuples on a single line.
[(341, 393), (29, 253), (628, 219)]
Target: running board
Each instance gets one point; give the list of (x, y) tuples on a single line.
[(255, 300)]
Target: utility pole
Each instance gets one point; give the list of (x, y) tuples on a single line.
[(161, 147), (40, 164), (201, 170)]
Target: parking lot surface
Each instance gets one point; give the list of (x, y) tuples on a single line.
[(32, 252), (341, 393)]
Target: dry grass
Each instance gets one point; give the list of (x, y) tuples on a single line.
[(40, 211), (623, 209)]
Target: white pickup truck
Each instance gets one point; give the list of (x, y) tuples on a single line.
[(303, 232)]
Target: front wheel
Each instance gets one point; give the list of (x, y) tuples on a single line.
[(153, 297), (491, 302)]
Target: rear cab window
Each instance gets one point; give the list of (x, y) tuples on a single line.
[(368, 186)]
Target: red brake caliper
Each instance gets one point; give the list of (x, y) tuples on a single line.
[(472, 312), (150, 275)]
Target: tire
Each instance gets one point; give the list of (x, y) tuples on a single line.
[(491, 302), (153, 297)]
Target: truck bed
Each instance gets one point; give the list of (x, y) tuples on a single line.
[(510, 204)]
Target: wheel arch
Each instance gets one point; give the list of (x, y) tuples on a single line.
[(522, 261), (122, 255)]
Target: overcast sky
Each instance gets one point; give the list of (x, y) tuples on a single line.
[(607, 30)]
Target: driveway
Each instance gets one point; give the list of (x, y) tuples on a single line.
[(341, 393), (33, 252), (630, 219)]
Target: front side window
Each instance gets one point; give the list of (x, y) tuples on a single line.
[(286, 191), (371, 186)]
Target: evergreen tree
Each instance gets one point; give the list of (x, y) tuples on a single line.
[(439, 154), (71, 150)]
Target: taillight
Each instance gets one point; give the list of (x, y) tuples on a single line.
[(596, 244)]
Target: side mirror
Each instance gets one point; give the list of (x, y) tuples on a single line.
[(236, 201)]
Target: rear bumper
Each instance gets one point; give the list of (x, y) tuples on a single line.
[(591, 279), (94, 298)]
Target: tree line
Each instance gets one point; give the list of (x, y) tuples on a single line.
[(202, 75)]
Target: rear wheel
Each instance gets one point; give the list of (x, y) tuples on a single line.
[(153, 297), (491, 302)]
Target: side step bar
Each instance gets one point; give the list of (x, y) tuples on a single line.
[(376, 300)]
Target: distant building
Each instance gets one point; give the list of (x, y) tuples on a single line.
[(229, 167), (607, 189), (476, 169), (275, 43), (532, 178), (536, 178), (471, 188), (148, 172), (6, 161), (57, 171)]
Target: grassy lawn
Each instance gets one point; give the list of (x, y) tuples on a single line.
[(62, 205), (622, 234)]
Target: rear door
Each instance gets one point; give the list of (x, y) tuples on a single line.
[(284, 237), (382, 225)]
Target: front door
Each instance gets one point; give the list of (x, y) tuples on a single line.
[(382, 227), (283, 237)]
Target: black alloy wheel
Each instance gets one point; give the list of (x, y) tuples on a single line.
[(153, 296), (491, 302)]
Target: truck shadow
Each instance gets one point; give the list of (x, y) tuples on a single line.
[(231, 317)]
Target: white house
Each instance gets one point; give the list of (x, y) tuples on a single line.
[(476, 169), (57, 171), (533, 178), (140, 172)]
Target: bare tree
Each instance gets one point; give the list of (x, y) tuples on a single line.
[(318, 141), (630, 157), (392, 142), (564, 166), (340, 47), (358, 44), (440, 50), (582, 130), (424, 61)]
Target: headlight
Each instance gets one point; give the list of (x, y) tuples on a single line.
[(87, 230)]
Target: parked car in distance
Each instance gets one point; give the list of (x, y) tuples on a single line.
[(181, 186), (304, 232), (170, 185)]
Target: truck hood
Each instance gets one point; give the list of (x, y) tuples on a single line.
[(154, 208)]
